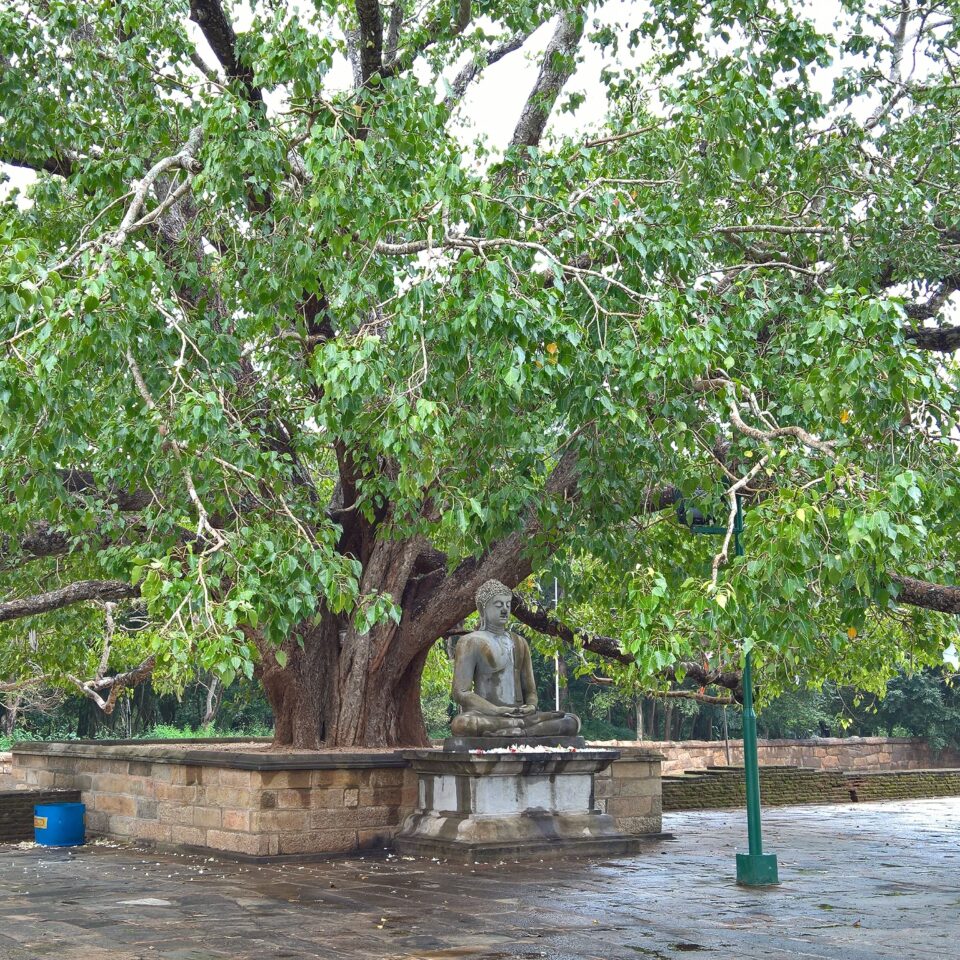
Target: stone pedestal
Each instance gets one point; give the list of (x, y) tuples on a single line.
[(475, 807)]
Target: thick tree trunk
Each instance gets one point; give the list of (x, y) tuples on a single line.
[(10, 710), (378, 691), (301, 693), (345, 690), (212, 705)]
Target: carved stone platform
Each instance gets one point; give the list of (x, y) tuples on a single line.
[(477, 807)]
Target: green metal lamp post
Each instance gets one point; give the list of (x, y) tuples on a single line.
[(754, 868)]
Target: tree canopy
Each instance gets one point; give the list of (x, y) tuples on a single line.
[(292, 364)]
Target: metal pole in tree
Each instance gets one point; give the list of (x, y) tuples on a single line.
[(556, 656), (726, 737), (754, 868)]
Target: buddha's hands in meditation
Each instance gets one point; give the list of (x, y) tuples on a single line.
[(524, 710)]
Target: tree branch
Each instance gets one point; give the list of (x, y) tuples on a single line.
[(538, 619), (555, 70), (441, 26), (371, 38), (216, 27), (775, 228), (393, 30), (85, 483), (732, 493), (727, 701), (116, 684), (184, 159), (78, 592), (449, 597), (469, 73), (825, 447), (944, 338), (42, 540), (508, 560), (898, 37), (60, 165), (930, 596)]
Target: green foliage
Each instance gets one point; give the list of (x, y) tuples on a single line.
[(167, 731), (223, 368), (436, 715), (593, 728), (435, 693), (924, 705), (797, 715), (53, 733), (161, 731)]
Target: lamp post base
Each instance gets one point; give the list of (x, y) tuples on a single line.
[(757, 869)]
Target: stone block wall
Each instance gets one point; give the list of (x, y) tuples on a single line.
[(903, 785), (820, 753), (779, 786), (629, 790), (245, 805), (6, 764), (273, 805), (16, 810), (783, 786)]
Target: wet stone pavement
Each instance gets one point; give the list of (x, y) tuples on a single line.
[(859, 882)]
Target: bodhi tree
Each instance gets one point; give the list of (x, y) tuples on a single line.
[(291, 365)]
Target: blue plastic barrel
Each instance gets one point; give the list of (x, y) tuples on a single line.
[(58, 824)]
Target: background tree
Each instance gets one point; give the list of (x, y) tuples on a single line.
[(295, 367)]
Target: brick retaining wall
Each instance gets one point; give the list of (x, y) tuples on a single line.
[(252, 805), (629, 790), (16, 810), (784, 786), (818, 753), (273, 805), (903, 785)]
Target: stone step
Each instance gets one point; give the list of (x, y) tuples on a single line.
[(724, 787)]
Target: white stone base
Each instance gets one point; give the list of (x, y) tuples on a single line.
[(486, 806)]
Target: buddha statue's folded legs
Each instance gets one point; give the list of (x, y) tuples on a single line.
[(551, 724), (484, 725)]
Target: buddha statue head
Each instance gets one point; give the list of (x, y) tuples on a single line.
[(493, 605)]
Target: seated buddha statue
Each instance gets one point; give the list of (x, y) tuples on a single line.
[(493, 678)]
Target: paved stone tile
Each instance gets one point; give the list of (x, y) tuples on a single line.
[(860, 882)]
